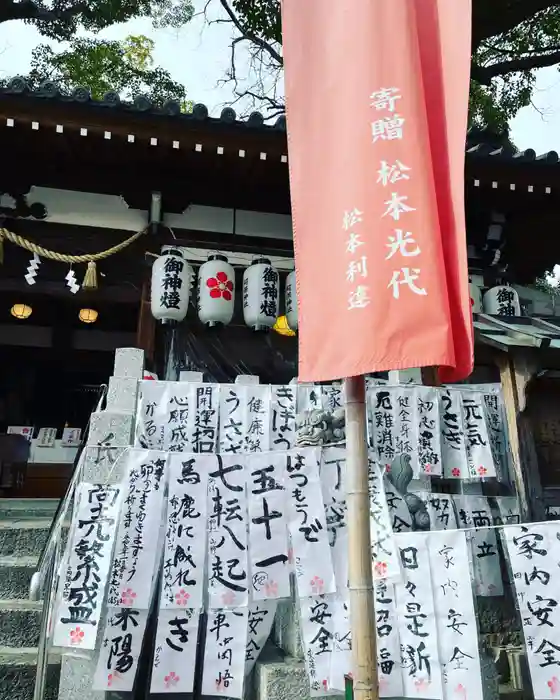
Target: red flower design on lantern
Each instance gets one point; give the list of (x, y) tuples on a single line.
[(456, 471), (482, 471), (220, 286)]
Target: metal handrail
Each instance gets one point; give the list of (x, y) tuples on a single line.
[(47, 572)]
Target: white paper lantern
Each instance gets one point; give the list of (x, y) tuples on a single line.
[(171, 286), (476, 298), (291, 301), (260, 294), (502, 301), (216, 290)]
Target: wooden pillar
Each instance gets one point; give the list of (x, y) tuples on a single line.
[(516, 371), (146, 327)]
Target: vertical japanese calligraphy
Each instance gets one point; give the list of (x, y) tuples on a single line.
[(153, 399), (233, 402), (453, 448), (384, 555), (389, 666), (87, 567), (259, 623), (475, 512), (120, 649), (185, 533), (227, 533), (357, 268), (268, 534), (442, 513), (283, 417), (479, 450), (317, 631), (383, 409), (534, 552), (224, 655), (309, 397), (455, 616), (493, 402), (307, 524), (416, 619), (174, 661), (333, 471), (257, 419), (429, 431), (137, 544), (179, 417), (204, 428), (332, 397), (406, 426)]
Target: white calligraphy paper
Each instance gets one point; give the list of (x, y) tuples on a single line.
[(46, 437), (455, 616), (341, 658), (453, 447), (257, 418), (389, 666), (475, 512), (137, 543), (422, 673), (442, 513), (174, 662), (384, 555), (429, 431), (307, 524), (406, 426), (119, 654), (283, 417), (227, 532), (87, 566), (153, 399), (268, 531), (534, 553), (260, 621), (71, 437), (508, 509), (224, 655), (495, 418), (479, 449), (203, 418), (309, 397), (185, 530), (383, 411), (399, 514), (332, 398), (317, 631), (179, 421), (233, 403), (333, 471)]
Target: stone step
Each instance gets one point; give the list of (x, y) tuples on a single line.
[(17, 674), (15, 576), (27, 508), (23, 538), (20, 623)]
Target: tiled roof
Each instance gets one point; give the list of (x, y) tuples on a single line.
[(50, 90), (480, 145)]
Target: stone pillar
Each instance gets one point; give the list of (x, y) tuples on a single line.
[(111, 432)]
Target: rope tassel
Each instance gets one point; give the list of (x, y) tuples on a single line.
[(90, 278)]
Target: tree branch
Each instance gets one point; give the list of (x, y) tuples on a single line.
[(489, 20), (29, 11), (247, 34), (484, 75)]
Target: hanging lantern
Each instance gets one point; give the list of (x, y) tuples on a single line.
[(260, 295), (216, 290), (171, 286), (476, 298), (502, 301), (291, 301)]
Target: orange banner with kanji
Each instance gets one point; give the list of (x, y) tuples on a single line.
[(377, 99)]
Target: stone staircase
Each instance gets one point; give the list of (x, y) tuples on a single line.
[(24, 526)]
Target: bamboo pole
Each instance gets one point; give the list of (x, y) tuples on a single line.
[(360, 580)]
